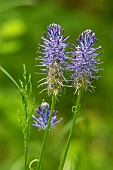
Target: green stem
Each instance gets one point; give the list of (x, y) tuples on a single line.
[(25, 101), (46, 135), (75, 110), (26, 145), (26, 153)]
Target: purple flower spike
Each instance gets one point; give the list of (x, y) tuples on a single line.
[(43, 112), (84, 64), (54, 58)]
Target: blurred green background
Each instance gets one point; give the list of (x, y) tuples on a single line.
[(22, 23)]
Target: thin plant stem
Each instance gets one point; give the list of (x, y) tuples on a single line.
[(26, 153), (26, 146), (75, 110), (46, 135), (25, 108)]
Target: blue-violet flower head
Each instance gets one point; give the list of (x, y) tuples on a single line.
[(54, 58), (84, 65), (43, 113)]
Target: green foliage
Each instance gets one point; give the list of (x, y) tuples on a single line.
[(25, 90), (21, 26)]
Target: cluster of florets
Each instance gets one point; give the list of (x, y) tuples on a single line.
[(84, 64), (81, 62), (54, 57), (43, 113)]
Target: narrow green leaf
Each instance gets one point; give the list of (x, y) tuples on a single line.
[(10, 77)]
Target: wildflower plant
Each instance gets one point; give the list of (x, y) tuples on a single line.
[(54, 60), (82, 65), (25, 90)]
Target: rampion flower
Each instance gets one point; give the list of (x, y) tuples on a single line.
[(84, 64), (43, 112), (54, 58)]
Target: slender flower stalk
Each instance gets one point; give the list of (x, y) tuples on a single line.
[(46, 135), (75, 110), (46, 119)]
